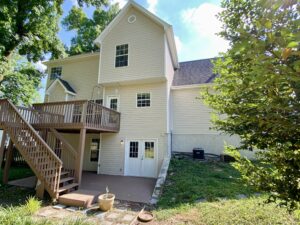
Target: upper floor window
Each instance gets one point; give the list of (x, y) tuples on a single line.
[(143, 100), (121, 55), (55, 73)]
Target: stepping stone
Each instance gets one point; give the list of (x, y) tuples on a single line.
[(113, 215), (59, 206), (100, 215), (200, 200), (47, 213), (128, 217), (241, 196), (106, 223), (72, 209)]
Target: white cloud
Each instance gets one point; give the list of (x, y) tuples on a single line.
[(40, 66), (203, 26), (121, 2), (178, 44), (152, 5), (74, 3)]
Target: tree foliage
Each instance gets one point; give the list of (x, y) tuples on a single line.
[(22, 81), (259, 91), (87, 29), (30, 29)]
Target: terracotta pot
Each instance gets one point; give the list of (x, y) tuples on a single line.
[(106, 201)]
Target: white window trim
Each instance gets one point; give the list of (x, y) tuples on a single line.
[(136, 100), (115, 55), (108, 101)]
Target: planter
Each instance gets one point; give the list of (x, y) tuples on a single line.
[(106, 202)]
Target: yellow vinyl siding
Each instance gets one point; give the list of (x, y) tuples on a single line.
[(136, 123), (73, 139), (145, 40), (57, 94), (191, 124), (190, 115), (81, 74)]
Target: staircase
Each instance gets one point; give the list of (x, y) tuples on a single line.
[(43, 161)]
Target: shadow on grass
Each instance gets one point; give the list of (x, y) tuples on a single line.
[(13, 195)]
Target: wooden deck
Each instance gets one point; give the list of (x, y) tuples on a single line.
[(72, 115)]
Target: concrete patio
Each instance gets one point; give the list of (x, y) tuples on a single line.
[(135, 189)]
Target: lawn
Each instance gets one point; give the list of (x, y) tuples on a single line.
[(11, 195), (209, 193)]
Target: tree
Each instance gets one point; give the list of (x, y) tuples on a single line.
[(22, 81), (259, 91), (87, 29), (29, 29)]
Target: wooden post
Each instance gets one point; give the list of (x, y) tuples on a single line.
[(2, 148), (9, 158), (80, 153), (40, 189)]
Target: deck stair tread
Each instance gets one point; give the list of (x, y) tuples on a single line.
[(63, 180), (67, 187)]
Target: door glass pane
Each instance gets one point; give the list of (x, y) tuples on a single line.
[(149, 150), (133, 149)]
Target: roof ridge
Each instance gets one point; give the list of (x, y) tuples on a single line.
[(200, 59)]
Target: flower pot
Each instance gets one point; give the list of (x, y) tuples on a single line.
[(106, 201)]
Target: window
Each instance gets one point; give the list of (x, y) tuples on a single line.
[(95, 146), (55, 73), (143, 100), (134, 149), (113, 103), (121, 55), (149, 150), (99, 101)]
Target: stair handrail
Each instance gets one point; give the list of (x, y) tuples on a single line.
[(38, 139)]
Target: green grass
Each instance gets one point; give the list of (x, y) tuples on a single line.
[(11, 195), (17, 173), (218, 183), (190, 180)]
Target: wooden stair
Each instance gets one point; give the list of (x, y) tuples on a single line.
[(42, 160)]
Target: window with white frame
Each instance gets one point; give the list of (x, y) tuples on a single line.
[(55, 73), (121, 55), (143, 100)]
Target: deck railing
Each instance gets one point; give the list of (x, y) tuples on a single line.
[(78, 113)]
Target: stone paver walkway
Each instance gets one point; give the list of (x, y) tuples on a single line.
[(61, 214)]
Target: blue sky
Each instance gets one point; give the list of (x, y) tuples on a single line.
[(194, 22)]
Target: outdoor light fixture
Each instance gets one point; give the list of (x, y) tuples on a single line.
[(122, 142)]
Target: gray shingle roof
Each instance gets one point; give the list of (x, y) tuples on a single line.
[(194, 72), (67, 85)]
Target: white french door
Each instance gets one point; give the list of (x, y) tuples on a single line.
[(141, 158)]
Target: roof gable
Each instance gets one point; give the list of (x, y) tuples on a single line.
[(64, 84), (167, 28)]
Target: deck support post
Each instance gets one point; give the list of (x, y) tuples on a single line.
[(40, 189), (9, 159), (79, 158), (2, 148)]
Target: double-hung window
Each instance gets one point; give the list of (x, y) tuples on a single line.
[(143, 100), (121, 55), (95, 146), (55, 73)]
